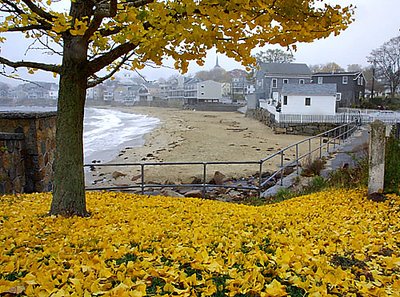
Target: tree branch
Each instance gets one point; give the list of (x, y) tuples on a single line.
[(138, 3), (99, 80), (20, 79), (47, 46), (111, 31), (46, 25), (93, 26), (30, 27), (106, 59), (37, 10), (28, 64), (14, 6)]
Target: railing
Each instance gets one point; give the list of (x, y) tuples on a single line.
[(308, 148), (358, 110), (299, 118), (340, 118)]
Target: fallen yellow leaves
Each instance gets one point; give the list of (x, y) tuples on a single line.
[(329, 243)]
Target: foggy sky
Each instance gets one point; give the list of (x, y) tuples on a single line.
[(375, 23)]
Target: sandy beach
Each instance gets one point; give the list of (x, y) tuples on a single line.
[(187, 136)]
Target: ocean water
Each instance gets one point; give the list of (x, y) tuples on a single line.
[(106, 131)]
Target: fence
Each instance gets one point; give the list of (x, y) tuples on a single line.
[(340, 118), (308, 148)]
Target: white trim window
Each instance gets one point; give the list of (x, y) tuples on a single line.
[(284, 100), (320, 80), (345, 80), (285, 81), (301, 81), (307, 102), (338, 96), (360, 81), (274, 83)]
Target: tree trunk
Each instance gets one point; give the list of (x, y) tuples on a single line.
[(69, 184)]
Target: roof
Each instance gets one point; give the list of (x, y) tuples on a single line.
[(309, 89), (355, 73), (286, 68)]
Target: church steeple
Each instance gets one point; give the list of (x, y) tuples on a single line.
[(216, 63)]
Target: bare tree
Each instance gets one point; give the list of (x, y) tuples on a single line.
[(274, 56), (386, 60), (354, 68), (328, 67)]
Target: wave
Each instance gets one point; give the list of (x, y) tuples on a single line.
[(106, 131)]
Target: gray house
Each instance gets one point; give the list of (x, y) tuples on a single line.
[(350, 86), (271, 77)]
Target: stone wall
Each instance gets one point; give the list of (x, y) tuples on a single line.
[(12, 169), (308, 129), (38, 148), (214, 107)]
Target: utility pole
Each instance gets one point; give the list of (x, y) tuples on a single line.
[(373, 81)]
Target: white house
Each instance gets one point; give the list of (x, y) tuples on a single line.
[(308, 99), (209, 91)]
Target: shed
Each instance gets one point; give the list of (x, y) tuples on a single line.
[(308, 99)]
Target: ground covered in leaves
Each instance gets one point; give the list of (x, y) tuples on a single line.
[(331, 243)]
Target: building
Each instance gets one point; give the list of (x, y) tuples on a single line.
[(191, 91), (350, 86), (96, 93), (209, 91), (35, 91), (308, 99), (271, 77), (239, 84)]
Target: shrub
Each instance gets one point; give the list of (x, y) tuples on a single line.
[(350, 177), (392, 163), (313, 167)]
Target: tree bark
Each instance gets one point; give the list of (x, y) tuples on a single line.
[(69, 183)]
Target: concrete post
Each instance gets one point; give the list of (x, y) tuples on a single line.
[(376, 157)]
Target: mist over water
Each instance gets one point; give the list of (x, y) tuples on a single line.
[(106, 131)]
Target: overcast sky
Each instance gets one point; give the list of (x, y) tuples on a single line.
[(375, 23)]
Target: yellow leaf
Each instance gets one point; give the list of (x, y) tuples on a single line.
[(275, 289)]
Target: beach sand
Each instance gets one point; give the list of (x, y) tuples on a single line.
[(188, 136)]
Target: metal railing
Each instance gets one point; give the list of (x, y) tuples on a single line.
[(312, 147)]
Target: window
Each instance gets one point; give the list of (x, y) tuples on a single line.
[(202, 86), (320, 80), (308, 101), (285, 81), (360, 81), (202, 93), (301, 81), (338, 96), (274, 83), (284, 100), (345, 80)]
